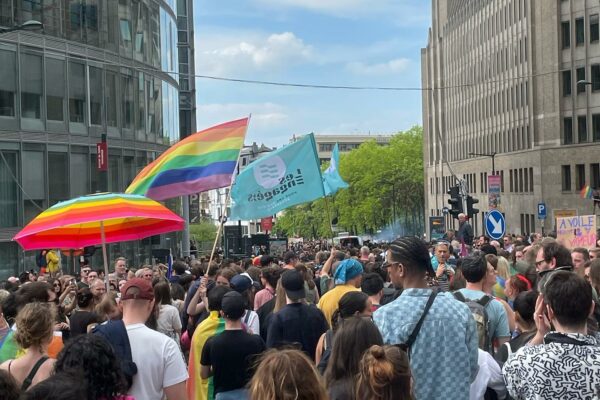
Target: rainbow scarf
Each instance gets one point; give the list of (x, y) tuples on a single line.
[(203, 161), (198, 388)]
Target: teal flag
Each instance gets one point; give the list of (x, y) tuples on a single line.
[(281, 179), (332, 180)]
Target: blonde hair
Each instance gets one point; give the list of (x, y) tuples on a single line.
[(280, 299), (384, 374), (35, 325), (286, 375), (503, 268)]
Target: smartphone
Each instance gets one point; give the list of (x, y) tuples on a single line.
[(73, 282)]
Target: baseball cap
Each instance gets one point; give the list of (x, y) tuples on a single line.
[(144, 290), (293, 283), (240, 283), (233, 305)]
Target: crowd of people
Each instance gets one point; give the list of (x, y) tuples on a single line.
[(401, 320)]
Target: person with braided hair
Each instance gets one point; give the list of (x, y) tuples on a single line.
[(438, 331), (384, 374)]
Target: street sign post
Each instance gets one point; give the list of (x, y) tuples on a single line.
[(542, 211), (495, 225)]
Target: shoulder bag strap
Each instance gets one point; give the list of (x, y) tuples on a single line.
[(415, 332), (34, 370)]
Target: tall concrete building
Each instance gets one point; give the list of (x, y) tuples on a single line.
[(98, 67), (187, 79), (501, 77)]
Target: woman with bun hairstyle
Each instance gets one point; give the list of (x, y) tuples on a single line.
[(384, 374), (35, 325)]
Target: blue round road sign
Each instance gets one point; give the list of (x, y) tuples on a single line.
[(495, 224)]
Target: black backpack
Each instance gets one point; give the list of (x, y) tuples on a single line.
[(115, 333)]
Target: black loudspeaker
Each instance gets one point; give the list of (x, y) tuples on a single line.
[(232, 238)]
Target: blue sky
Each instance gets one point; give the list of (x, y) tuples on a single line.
[(323, 42)]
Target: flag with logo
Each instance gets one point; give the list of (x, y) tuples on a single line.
[(283, 178), (332, 180)]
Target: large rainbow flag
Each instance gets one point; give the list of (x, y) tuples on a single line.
[(203, 161)]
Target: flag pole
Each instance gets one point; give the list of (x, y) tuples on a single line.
[(228, 197)]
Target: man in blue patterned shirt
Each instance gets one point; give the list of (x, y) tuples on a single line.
[(443, 358)]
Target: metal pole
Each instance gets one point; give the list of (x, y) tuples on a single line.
[(493, 163), (185, 248), (104, 255)]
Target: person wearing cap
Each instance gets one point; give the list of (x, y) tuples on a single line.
[(229, 357), (242, 284), (347, 277), (297, 322), (161, 369)]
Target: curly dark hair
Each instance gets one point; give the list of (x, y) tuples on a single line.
[(93, 357), (8, 386)]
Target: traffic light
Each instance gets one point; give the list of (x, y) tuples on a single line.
[(470, 210), (455, 201)]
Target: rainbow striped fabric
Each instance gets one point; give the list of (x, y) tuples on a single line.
[(198, 388), (74, 224), (586, 192), (203, 161)]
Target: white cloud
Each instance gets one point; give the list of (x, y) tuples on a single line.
[(263, 114), (228, 54), (391, 67)]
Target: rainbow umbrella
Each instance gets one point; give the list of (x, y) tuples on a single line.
[(98, 219)]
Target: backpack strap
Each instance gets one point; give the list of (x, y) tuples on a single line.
[(247, 317), (485, 300), (415, 332), (32, 373), (459, 296)]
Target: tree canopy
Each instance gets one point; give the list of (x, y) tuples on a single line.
[(385, 193)]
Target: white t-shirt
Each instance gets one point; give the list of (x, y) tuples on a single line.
[(489, 375), (168, 321), (253, 323), (159, 361)]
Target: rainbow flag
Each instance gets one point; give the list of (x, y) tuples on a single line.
[(198, 388), (203, 161), (586, 192)]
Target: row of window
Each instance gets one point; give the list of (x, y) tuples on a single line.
[(41, 92), (567, 81), (521, 180), (582, 129), (324, 147), (566, 33), (52, 174), (140, 29), (580, 177)]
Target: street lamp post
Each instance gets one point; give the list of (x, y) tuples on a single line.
[(30, 25), (493, 155)]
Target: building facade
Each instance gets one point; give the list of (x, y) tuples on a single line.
[(98, 67), (187, 78), (346, 143), (500, 77)]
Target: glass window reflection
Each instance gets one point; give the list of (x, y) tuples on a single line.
[(8, 83), (127, 100), (96, 95), (31, 86), (55, 89), (8, 190), (111, 99), (77, 96)]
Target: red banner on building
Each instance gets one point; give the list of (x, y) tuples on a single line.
[(266, 224), (102, 156)]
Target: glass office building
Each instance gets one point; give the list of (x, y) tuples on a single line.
[(98, 67)]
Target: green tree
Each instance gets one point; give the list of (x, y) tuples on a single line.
[(386, 191), (203, 232)]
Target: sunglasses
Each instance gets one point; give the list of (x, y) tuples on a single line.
[(386, 264)]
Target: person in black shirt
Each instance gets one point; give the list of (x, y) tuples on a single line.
[(230, 356), (296, 323)]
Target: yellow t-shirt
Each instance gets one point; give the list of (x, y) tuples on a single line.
[(329, 302)]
